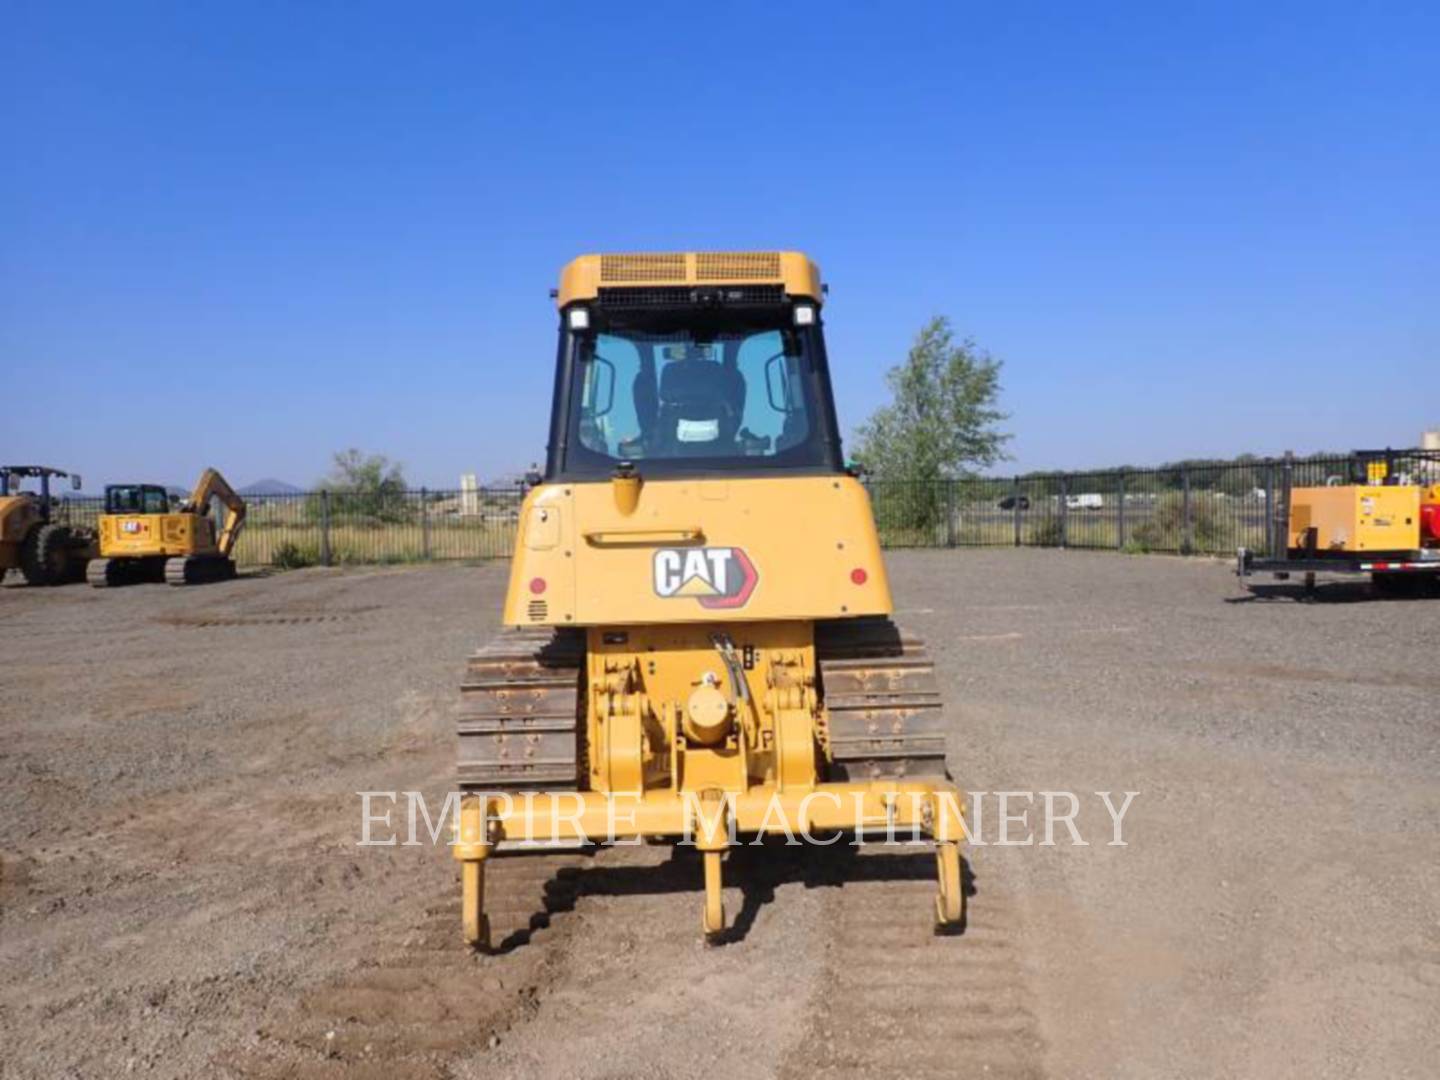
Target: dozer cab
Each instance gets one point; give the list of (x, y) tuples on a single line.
[(700, 647), (147, 535), (45, 551)]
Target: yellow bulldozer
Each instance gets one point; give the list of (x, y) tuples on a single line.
[(699, 644), (44, 550), (147, 535)]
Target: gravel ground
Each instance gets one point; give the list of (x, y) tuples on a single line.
[(181, 892)]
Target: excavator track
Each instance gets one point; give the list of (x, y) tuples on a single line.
[(198, 569), (104, 573), (884, 717)]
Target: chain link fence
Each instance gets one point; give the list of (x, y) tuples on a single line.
[(1184, 509)]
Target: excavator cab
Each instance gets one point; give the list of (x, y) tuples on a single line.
[(136, 499)]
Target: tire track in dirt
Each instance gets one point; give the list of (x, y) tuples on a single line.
[(408, 1008), (898, 1000), (635, 950)]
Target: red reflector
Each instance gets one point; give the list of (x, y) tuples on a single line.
[(537, 585), (858, 576)]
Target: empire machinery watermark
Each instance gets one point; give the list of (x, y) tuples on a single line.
[(546, 819)]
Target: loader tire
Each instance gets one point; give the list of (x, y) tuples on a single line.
[(45, 555)]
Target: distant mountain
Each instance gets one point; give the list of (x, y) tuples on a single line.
[(269, 486)]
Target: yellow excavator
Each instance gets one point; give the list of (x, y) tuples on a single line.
[(45, 551), (146, 535), (700, 647)]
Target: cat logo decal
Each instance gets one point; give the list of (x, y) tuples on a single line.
[(718, 577)]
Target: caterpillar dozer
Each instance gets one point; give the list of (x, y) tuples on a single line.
[(698, 644), (145, 535), (45, 551)]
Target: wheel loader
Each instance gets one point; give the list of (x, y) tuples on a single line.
[(699, 647), (45, 551), (146, 535)]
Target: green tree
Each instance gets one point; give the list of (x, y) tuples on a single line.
[(940, 425), (365, 486)]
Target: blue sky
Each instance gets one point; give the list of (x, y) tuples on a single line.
[(252, 234)]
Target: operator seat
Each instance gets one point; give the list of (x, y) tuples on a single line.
[(701, 403)]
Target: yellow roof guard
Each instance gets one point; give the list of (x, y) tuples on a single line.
[(588, 277)]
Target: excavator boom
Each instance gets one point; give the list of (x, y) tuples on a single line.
[(212, 485)]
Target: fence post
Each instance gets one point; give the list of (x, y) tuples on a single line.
[(1187, 526), (324, 526), (425, 524), (950, 513), (1064, 511), (1120, 521), (1270, 507), (1280, 531), (1015, 495)]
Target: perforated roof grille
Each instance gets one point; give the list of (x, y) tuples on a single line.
[(737, 265), (684, 295), (642, 267)]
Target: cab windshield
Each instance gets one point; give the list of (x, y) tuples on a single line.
[(720, 398), (136, 499)]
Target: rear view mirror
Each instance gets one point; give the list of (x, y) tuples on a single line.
[(601, 402), (775, 378), (74, 482)]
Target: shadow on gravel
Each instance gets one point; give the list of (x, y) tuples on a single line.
[(757, 870), (1330, 592)]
